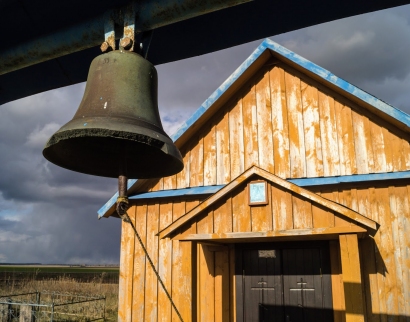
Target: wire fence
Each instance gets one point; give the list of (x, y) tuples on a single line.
[(51, 307)]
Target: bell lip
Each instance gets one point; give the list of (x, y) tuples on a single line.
[(171, 156), (115, 127)]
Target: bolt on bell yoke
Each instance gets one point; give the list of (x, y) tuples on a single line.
[(117, 125)]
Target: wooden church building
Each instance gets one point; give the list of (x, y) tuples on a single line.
[(293, 205)]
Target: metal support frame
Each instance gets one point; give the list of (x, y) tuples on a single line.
[(152, 14)]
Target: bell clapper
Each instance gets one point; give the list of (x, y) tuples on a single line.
[(122, 200)]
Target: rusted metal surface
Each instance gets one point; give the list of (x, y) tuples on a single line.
[(105, 47), (151, 15), (127, 43)]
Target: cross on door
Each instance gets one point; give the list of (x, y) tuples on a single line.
[(301, 289), (262, 287)]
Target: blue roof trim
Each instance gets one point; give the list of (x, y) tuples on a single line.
[(310, 182), (206, 190), (304, 182), (299, 60)]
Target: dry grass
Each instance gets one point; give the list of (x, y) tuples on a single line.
[(69, 286)]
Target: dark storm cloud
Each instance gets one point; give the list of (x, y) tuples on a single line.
[(48, 214)]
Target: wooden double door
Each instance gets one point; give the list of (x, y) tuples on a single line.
[(283, 282)]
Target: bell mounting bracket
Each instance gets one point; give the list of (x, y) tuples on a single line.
[(114, 20)]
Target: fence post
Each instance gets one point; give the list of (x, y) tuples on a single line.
[(105, 305), (52, 312)]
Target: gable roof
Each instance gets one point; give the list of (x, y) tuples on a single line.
[(260, 56), (254, 170)]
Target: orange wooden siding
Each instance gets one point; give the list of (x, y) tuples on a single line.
[(287, 124), (291, 126), (142, 297), (385, 261), (385, 256)]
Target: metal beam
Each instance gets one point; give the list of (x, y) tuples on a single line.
[(150, 15)]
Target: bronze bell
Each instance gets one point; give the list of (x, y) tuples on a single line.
[(117, 128)]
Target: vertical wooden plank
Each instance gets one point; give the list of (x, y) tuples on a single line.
[(280, 123), (241, 215), (236, 140), (261, 217), (151, 282), (264, 118), (222, 303), (205, 223), (311, 125), (250, 128), (363, 202), (354, 205), (185, 279), (378, 146), (406, 253), (386, 262), (322, 217), (178, 210), (158, 185), (406, 153), (371, 288), (223, 162), (345, 138), (232, 286), (399, 208), (338, 295), (281, 209), (328, 133), (296, 130), (183, 176), (197, 163), (170, 182), (387, 150), (210, 157), (223, 216), (206, 285), (362, 143), (397, 153), (339, 221), (165, 263), (302, 213), (126, 269), (377, 210), (138, 298), (352, 282)]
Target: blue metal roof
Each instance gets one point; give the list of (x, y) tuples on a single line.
[(326, 75)]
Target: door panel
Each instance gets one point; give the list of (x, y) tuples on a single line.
[(263, 285), (292, 286)]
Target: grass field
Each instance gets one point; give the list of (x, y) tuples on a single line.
[(90, 281), (58, 269)]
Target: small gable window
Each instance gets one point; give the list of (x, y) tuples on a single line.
[(258, 192)]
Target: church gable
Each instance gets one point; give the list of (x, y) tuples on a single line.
[(288, 210), (291, 118), (289, 124)]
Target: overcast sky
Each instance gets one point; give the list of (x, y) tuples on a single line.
[(49, 214)]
